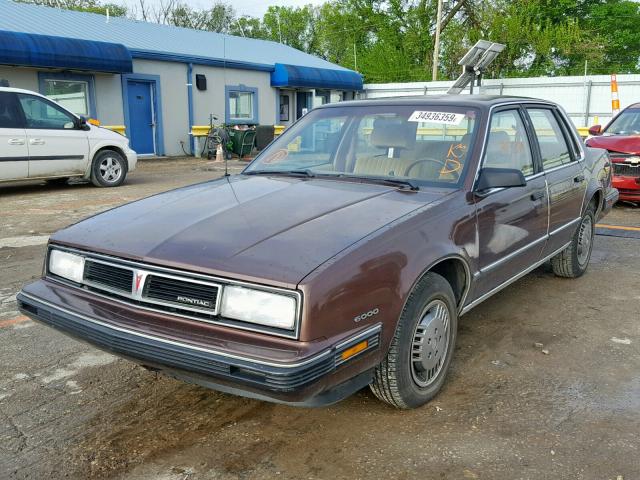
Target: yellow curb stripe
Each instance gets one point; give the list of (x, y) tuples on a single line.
[(618, 227)]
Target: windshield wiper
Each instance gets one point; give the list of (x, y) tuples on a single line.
[(295, 173), (411, 185)]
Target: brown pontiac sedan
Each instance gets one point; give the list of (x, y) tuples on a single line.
[(341, 257)]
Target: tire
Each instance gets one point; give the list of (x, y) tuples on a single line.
[(109, 169), (573, 261), (57, 181), (403, 381)]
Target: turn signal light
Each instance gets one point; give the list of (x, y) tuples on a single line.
[(93, 121), (357, 348)]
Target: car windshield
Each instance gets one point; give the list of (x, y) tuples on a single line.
[(411, 145), (627, 123)]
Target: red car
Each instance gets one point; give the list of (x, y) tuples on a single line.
[(621, 137)]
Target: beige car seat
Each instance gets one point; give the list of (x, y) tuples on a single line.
[(398, 140)]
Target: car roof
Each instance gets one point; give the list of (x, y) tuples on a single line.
[(18, 90), (478, 101)]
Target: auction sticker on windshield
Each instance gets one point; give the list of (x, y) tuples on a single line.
[(446, 118)]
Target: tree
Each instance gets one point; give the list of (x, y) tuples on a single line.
[(92, 6)]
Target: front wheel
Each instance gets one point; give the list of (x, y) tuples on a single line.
[(421, 350), (573, 261), (109, 169)]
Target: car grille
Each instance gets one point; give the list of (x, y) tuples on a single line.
[(626, 170), (169, 293), (181, 292), (160, 289), (109, 276)]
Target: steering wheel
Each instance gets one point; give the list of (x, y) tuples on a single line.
[(440, 163)]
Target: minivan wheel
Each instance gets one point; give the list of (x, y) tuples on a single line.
[(573, 261), (420, 354), (109, 169)]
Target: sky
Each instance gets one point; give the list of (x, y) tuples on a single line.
[(254, 8)]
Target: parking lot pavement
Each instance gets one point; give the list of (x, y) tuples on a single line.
[(507, 411)]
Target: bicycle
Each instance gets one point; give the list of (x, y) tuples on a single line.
[(217, 135)]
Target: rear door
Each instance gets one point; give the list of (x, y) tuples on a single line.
[(512, 222), (14, 153), (56, 145), (563, 172)]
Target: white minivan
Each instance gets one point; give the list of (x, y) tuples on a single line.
[(39, 139)]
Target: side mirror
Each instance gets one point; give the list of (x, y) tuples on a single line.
[(82, 124), (595, 130), (499, 178)]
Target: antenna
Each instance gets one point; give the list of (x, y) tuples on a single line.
[(474, 62), (224, 76)]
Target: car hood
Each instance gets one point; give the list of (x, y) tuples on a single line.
[(254, 228), (616, 143)]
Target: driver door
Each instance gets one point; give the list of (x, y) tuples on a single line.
[(512, 222), (56, 146)]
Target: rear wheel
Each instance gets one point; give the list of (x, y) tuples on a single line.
[(421, 350), (573, 261), (109, 169)]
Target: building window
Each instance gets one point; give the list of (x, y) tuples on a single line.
[(323, 97), (73, 96), (284, 108), (73, 92), (242, 104)]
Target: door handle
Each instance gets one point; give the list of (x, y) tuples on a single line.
[(36, 141), (579, 178), (539, 195), (16, 141)]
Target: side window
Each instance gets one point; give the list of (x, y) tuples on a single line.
[(553, 146), (41, 114), (10, 115), (508, 145)]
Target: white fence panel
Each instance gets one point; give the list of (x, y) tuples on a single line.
[(586, 99)]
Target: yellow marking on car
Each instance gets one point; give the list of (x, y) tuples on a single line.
[(357, 348)]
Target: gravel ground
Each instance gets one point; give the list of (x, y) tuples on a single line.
[(508, 410)]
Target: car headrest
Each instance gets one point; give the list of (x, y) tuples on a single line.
[(498, 142), (389, 134)]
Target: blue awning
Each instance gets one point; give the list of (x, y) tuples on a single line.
[(295, 76), (28, 49)]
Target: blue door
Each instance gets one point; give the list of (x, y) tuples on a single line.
[(141, 116)]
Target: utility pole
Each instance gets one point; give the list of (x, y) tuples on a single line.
[(279, 30), (355, 57), (436, 46)]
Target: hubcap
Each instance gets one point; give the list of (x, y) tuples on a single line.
[(585, 237), (110, 170), (430, 343)]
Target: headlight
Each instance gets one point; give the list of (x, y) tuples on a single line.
[(256, 306), (66, 265)]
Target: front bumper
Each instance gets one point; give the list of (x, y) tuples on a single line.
[(297, 383), (132, 160), (629, 187)]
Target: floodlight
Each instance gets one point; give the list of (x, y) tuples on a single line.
[(474, 62)]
